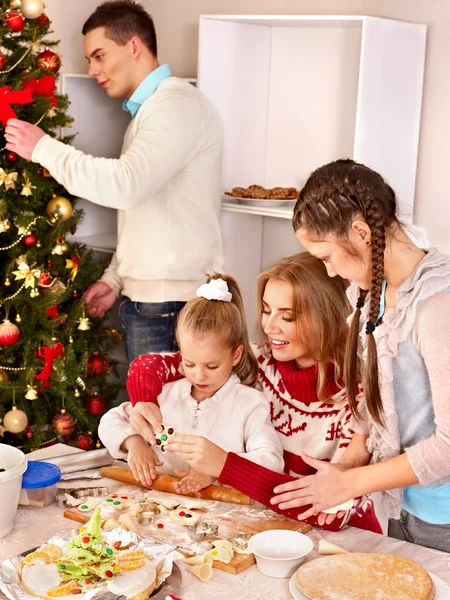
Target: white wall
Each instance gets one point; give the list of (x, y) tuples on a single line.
[(177, 27)]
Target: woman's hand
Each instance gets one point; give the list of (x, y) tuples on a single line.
[(142, 416), (192, 481), (201, 454), (327, 488), (325, 519), (142, 459)]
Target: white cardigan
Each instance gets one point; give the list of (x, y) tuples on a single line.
[(166, 186), (236, 418)]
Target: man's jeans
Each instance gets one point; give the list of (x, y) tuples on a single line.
[(149, 326)]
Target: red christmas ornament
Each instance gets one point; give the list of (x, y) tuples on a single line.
[(63, 423), (75, 294), (11, 156), (48, 61), (43, 20), (83, 441), (97, 364), (29, 240), (45, 279), (15, 21), (95, 405), (27, 431), (9, 333), (49, 265), (2, 61)]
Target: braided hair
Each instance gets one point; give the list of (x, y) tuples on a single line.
[(332, 198)]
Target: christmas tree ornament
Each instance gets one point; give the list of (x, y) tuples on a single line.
[(15, 4), (38, 244), (49, 265), (2, 61), (72, 264), (59, 208), (15, 420), (31, 393), (30, 275), (34, 293), (4, 226), (48, 61), (98, 444), (43, 20), (51, 113), (97, 364), (63, 423), (84, 441), (95, 405), (75, 294), (15, 21), (18, 318), (27, 189), (45, 279), (3, 376), (84, 324), (45, 173), (81, 383), (9, 333), (29, 240), (10, 156), (70, 339), (7, 282), (8, 179), (27, 431), (77, 393), (32, 9), (61, 248)]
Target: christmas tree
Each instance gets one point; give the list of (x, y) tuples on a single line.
[(55, 376)]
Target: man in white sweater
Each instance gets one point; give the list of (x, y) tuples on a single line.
[(166, 185)]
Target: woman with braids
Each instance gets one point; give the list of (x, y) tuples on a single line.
[(300, 367), (346, 216)]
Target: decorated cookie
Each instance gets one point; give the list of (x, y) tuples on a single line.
[(184, 517), (118, 501), (89, 504), (163, 437), (222, 550)]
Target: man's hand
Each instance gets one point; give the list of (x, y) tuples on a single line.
[(22, 137), (142, 459), (192, 481), (199, 453), (99, 298), (142, 416)]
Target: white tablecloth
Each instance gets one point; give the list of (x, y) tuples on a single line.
[(34, 526)]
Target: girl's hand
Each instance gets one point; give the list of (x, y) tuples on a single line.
[(201, 454), (323, 518), (192, 481), (142, 416), (323, 490), (142, 459)]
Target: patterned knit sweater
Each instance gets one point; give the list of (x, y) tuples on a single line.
[(321, 429)]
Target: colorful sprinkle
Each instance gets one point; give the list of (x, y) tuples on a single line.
[(142, 501), (124, 497), (188, 516), (114, 496), (110, 500)]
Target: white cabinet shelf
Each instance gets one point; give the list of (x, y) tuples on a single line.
[(279, 213)]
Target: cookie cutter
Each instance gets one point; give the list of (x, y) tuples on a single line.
[(78, 494), (202, 529), (241, 540)]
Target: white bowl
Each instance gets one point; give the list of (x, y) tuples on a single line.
[(279, 552), (15, 462)]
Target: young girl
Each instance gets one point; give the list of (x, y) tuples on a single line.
[(217, 399), (346, 216), (303, 313)]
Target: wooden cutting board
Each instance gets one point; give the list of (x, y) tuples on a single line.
[(240, 562)]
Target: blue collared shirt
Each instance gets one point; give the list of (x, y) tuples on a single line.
[(145, 89)]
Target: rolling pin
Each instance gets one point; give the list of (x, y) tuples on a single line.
[(165, 483)]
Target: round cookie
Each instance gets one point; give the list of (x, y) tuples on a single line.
[(184, 517), (163, 436)]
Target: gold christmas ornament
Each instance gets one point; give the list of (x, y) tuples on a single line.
[(15, 4), (7, 282), (70, 339), (34, 293), (84, 324), (27, 189), (8, 179), (30, 275), (38, 244), (18, 319), (59, 207), (15, 420), (76, 393), (31, 393), (3, 376), (32, 9), (50, 114), (4, 226), (98, 445)]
